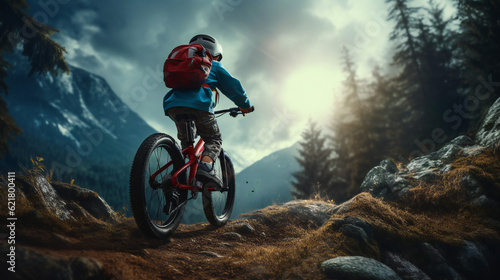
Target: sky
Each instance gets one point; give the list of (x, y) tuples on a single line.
[(286, 53)]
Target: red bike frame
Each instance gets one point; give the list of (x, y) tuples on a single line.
[(194, 154)]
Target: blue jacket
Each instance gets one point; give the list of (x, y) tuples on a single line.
[(202, 99)]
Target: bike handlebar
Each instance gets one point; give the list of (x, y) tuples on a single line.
[(233, 112)]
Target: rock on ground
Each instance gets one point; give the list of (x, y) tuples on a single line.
[(65, 201), (356, 267), (489, 132)]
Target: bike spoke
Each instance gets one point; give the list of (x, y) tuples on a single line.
[(151, 204), (150, 193), (156, 200), (157, 213), (158, 157), (220, 198)]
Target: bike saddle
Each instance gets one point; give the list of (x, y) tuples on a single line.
[(188, 119)]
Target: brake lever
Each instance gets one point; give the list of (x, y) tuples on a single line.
[(234, 113)]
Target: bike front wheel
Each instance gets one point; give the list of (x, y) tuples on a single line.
[(157, 206), (218, 204)]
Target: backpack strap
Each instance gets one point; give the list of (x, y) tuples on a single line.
[(216, 93)]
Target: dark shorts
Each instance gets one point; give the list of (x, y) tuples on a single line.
[(206, 126)]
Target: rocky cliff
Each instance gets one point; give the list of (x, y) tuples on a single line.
[(434, 218)]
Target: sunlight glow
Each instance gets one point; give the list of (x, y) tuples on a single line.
[(308, 91)]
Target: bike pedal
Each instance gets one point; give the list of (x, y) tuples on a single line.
[(166, 209), (210, 186)]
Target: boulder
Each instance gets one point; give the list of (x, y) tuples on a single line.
[(343, 207), (404, 268), (385, 180), (42, 193), (354, 224), (65, 201), (462, 141), (355, 232), (317, 212), (432, 262), (88, 200), (470, 262), (382, 181), (426, 167), (357, 267), (489, 132)]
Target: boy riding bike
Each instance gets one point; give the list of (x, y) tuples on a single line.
[(163, 178), (198, 104)]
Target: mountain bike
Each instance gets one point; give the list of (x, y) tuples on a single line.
[(162, 181)]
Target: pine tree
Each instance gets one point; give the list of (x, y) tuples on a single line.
[(406, 52), (479, 37), (351, 137), (352, 87), (314, 175), (409, 82), (340, 188), (18, 28), (429, 81), (387, 117), (479, 56), (440, 73)]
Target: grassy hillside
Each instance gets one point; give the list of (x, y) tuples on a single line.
[(284, 244)]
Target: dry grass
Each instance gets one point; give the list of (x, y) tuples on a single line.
[(449, 194), (394, 228), (294, 247), (297, 257), (436, 214), (394, 225), (293, 251)]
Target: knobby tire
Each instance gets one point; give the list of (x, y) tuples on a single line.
[(218, 205), (148, 203)]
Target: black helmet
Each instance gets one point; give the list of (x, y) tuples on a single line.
[(209, 43)]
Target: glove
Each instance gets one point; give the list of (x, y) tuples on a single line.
[(246, 111)]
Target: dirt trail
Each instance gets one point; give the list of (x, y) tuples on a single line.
[(198, 251), (287, 241)]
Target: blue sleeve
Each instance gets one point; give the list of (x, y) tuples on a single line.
[(231, 87)]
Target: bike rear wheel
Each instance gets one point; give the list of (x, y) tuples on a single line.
[(218, 204), (156, 205)]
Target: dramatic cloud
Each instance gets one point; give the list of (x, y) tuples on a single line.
[(286, 53)]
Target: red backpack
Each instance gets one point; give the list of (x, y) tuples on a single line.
[(187, 67)]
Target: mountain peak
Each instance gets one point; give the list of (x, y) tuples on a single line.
[(69, 105), (78, 124)]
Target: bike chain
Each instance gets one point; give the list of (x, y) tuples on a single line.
[(194, 195)]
